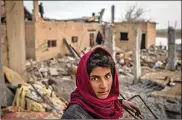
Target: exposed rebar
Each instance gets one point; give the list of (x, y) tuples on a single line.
[(144, 104)]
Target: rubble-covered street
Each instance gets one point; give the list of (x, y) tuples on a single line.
[(47, 86), (41, 44)]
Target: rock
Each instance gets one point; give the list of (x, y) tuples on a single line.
[(161, 113), (53, 62), (61, 60), (64, 87), (71, 59), (158, 64), (170, 100), (45, 74), (53, 72), (121, 71), (118, 50), (121, 62), (174, 108), (43, 69), (13, 77), (28, 64), (63, 71)]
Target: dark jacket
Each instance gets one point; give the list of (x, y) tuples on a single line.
[(75, 111)]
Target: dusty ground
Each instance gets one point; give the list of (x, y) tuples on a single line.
[(164, 107)]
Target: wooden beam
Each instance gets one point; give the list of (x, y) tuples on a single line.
[(71, 49)]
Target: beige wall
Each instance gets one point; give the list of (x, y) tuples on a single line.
[(2, 8), (29, 40), (127, 27), (47, 30), (4, 45), (151, 34)]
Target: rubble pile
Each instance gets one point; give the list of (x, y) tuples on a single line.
[(163, 108), (46, 88), (152, 59)]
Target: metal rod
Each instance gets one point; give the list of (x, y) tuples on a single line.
[(44, 100), (83, 52), (144, 103), (130, 112)]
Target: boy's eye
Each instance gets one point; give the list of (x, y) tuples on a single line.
[(108, 76), (94, 78)]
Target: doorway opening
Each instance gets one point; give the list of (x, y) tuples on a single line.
[(143, 41)]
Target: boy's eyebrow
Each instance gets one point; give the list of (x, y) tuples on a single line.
[(99, 76), (94, 76), (108, 73)]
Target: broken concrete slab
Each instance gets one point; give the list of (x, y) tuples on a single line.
[(53, 72), (158, 64), (13, 77), (174, 108), (43, 69), (64, 87)]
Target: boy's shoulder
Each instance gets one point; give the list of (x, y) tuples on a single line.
[(75, 111)]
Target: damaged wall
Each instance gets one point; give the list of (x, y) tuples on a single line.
[(128, 28), (151, 34), (49, 37), (29, 40), (4, 45)]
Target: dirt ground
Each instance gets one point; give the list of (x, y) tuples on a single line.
[(165, 102)]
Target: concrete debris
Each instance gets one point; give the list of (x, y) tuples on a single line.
[(46, 88), (155, 83), (13, 77), (154, 57), (158, 64), (48, 84), (53, 72), (161, 106)]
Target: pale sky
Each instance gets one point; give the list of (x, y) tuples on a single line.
[(158, 11)]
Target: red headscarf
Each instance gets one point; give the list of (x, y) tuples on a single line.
[(108, 108)]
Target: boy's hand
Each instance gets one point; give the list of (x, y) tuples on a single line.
[(131, 106)]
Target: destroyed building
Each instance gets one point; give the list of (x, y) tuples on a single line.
[(125, 34), (51, 81), (49, 35), (44, 39), (44, 36)]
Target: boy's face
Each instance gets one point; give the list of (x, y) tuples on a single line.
[(101, 81)]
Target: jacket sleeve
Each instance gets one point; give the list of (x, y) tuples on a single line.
[(75, 112)]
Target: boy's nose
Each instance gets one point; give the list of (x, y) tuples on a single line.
[(103, 84)]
